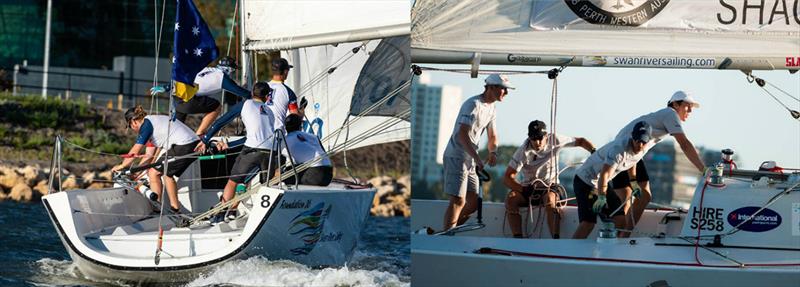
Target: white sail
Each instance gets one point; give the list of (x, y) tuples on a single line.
[(727, 34), (330, 94), (283, 25)]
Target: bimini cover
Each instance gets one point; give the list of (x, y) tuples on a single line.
[(644, 33)]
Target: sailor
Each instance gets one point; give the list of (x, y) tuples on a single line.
[(666, 121), (258, 122), (284, 100), (305, 147), (210, 81), (537, 158), (591, 179), (461, 158), (182, 141)]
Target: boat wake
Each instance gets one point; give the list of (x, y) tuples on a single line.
[(52, 272), (287, 273)]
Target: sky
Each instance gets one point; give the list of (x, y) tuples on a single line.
[(596, 103)]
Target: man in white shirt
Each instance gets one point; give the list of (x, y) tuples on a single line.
[(666, 121), (283, 100), (591, 179), (461, 158), (306, 148), (537, 159)]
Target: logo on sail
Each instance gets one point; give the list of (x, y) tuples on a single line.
[(616, 12), (765, 220)]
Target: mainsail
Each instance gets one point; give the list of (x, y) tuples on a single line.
[(726, 34), (352, 65)]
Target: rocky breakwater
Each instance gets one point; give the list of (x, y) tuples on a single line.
[(393, 197), (25, 183)]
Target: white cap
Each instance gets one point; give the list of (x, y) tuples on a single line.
[(684, 96), (498, 80)]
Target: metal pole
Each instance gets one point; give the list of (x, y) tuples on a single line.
[(245, 63), (47, 48), (14, 87)]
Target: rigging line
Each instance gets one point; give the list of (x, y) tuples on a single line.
[(784, 92), (776, 99), (328, 70), (154, 98), (230, 34)]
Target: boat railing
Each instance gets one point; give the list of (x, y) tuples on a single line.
[(56, 174)]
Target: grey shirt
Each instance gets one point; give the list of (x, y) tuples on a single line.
[(478, 116), (663, 122), (539, 164)]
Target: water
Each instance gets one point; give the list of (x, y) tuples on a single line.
[(33, 255)]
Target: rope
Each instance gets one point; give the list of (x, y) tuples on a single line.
[(230, 34), (159, 31)]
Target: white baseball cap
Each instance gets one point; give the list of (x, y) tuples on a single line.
[(684, 96), (498, 80)]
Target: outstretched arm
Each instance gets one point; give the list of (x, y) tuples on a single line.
[(585, 144), (229, 85), (688, 149), (223, 121)]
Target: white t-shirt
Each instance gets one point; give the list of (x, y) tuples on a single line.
[(539, 164), (258, 120), (281, 100), (209, 81), (616, 154), (304, 147), (663, 122), (478, 116), (179, 133)]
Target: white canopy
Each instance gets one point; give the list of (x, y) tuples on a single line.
[(621, 33)]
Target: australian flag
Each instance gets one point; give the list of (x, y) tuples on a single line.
[(194, 49)]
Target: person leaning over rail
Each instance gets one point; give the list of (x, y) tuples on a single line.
[(304, 148), (591, 179), (666, 121), (537, 158), (157, 128), (210, 81), (461, 159), (256, 154)]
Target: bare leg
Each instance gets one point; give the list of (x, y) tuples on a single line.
[(155, 182), (641, 202), (583, 230), (227, 193), (624, 221), (553, 215), (469, 208), (513, 201), (453, 210), (172, 192), (208, 119)]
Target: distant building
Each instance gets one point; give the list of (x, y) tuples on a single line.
[(433, 113)]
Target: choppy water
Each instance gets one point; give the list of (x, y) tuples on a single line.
[(32, 255)]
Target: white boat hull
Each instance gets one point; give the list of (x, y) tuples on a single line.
[(113, 234)]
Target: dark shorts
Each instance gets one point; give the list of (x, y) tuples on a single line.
[(318, 175), (197, 105), (622, 180), (535, 194), (253, 160), (178, 166), (585, 198)]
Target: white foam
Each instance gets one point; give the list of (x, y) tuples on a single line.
[(258, 271)]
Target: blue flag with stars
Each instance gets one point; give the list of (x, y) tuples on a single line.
[(193, 50)]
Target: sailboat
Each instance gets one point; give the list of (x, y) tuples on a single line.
[(740, 229), (111, 234)]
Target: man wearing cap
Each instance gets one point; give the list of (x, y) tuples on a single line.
[(210, 81), (283, 98), (461, 158), (537, 158), (666, 121), (591, 179)]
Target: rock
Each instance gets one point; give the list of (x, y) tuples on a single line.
[(21, 192), (41, 187), (9, 177), (31, 174), (88, 178), (98, 185), (105, 175), (3, 194), (70, 183), (404, 184)]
